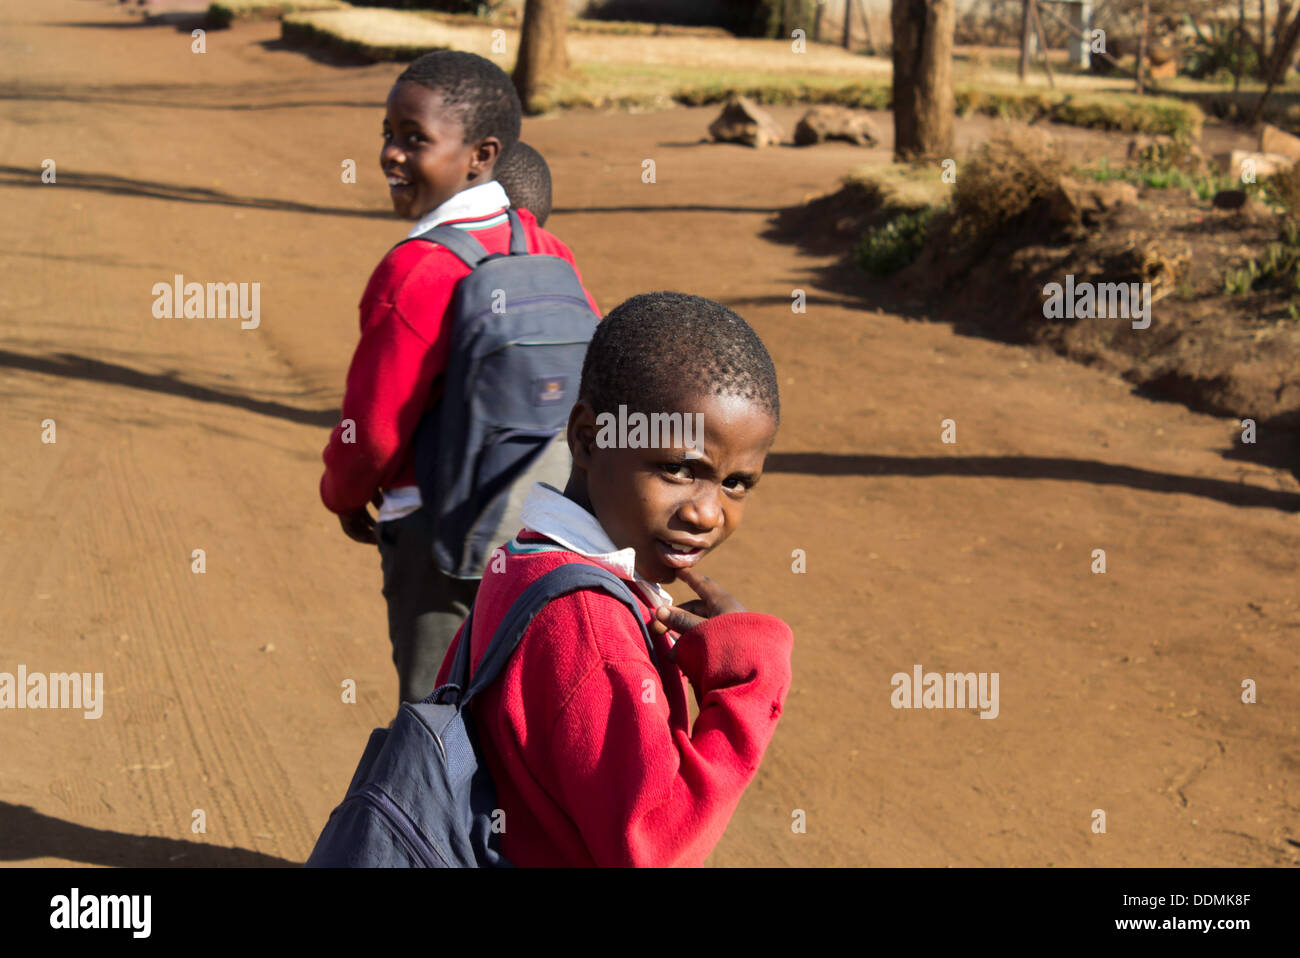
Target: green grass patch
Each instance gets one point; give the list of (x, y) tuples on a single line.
[(1096, 111), (886, 249), (1167, 178)]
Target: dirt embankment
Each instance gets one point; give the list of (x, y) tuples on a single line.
[(1130, 279)]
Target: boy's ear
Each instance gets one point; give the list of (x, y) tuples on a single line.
[(582, 433), (484, 159)]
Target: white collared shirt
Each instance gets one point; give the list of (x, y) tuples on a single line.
[(549, 512), (477, 201)]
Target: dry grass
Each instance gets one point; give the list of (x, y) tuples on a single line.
[(904, 186), (222, 13), (647, 71), (381, 34), (1004, 177)]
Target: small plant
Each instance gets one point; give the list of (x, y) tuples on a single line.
[(1238, 282), (1214, 56), (888, 248), (1165, 166), (1280, 265)]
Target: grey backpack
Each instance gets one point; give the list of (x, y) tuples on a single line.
[(521, 324), (422, 795)]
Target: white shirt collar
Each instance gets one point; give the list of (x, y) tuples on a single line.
[(550, 512), (476, 201)]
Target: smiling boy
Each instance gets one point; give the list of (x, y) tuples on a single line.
[(589, 745), (449, 119)]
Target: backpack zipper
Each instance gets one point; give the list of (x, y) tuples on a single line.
[(415, 843)]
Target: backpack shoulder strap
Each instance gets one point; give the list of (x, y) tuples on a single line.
[(518, 239), (469, 250), (460, 243), (569, 577)]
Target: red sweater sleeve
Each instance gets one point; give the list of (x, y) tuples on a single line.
[(642, 788), (403, 347)]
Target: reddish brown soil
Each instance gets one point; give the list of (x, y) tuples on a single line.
[(1118, 692)]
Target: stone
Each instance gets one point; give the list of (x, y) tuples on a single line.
[(743, 121), (1082, 202), (1273, 140), (1264, 164), (835, 123)]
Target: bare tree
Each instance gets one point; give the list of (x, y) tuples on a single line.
[(924, 107), (542, 57), (1284, 48)]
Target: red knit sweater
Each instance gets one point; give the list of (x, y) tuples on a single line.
[(591, 750), (396, 371)]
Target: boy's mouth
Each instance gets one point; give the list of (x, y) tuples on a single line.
[(679, 555), (398, 183)]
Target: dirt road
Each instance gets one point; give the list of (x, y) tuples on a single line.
[(1118, 691)]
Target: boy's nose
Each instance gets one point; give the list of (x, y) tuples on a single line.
[(704, 511), (390, 153)]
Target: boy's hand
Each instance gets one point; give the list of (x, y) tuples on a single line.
[(713, 600), (359, 526)]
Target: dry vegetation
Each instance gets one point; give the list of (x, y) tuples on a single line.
[(1224, 286), (1005, 177), (221, 13)]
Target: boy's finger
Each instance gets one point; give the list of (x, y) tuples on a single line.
[(678, 620), (702, 585)]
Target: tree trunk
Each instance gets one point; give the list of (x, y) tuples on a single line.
[(1024, 39), (1262, 46), (542, 58), (1142, 46), (1241, 41), (1279, 24), (924, 107), (1277, 67)]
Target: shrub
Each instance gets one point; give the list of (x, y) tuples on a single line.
[(1003, 178), (1214, 55)]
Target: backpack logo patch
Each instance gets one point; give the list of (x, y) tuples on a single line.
[(547, 390)]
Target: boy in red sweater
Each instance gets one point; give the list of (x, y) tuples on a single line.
[(590, 748), (450, 117)]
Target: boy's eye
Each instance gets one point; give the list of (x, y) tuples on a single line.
[(738, 486), (678, 469)]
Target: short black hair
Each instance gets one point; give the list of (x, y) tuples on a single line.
[(658, 350), (474, 88), (526, 178)]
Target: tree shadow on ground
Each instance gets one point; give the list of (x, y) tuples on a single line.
[(73, 366), (27, 834), (176, 96), (126, 186), (1032, 467), (182, 21)]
